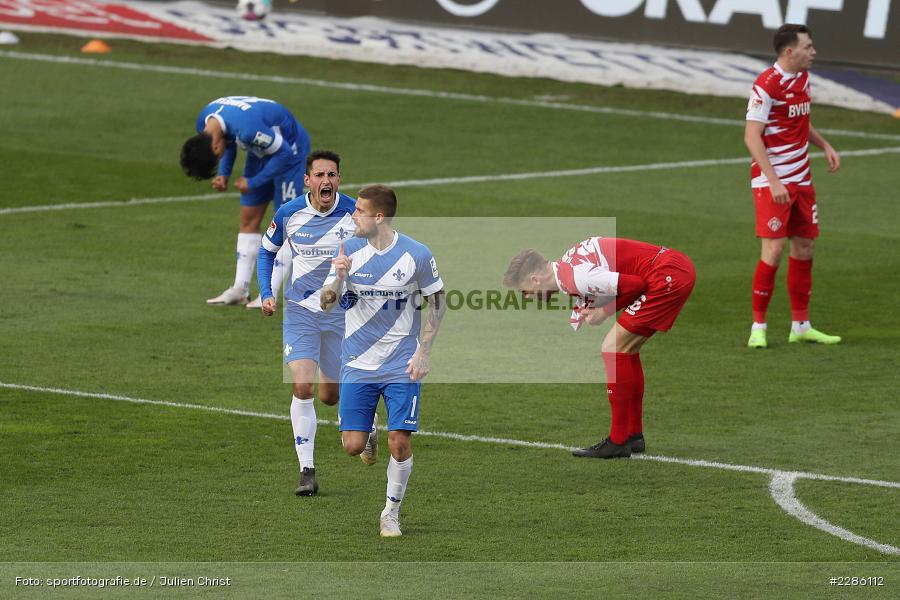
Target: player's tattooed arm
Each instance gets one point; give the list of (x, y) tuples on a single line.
[(419, 363), (340, 268), (438, 303), (330, 295)]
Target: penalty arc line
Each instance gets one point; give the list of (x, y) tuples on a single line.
[(781, 485), (416, 92), (406, 183)]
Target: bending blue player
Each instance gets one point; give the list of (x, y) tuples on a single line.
[(276, 145)]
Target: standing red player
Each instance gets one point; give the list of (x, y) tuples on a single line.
[(777, 134)]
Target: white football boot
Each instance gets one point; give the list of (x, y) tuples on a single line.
[(230, 296), (390, 525)]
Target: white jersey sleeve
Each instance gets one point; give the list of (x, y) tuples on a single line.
[(584, 271)]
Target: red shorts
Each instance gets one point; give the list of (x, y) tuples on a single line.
[(671, 281), (796, 218)]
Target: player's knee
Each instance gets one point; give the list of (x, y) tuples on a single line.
[(609, 344), (772, 251), (329, 393), (328, 397), (354, 447), (249, 224), (251, 218), (401, 453), (303, 390), (802, 248), (400, 446)]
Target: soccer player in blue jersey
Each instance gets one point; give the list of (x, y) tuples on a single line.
[(276, 145), (312, 227), (382, 278)]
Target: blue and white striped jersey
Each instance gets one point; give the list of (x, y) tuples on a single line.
[(384, 292), (314, 238), (260, 126)]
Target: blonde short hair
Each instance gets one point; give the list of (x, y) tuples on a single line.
[(523, 265)]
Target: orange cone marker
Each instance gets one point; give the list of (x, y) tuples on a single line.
[(96, 47)]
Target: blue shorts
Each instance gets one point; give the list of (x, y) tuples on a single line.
[(286, 186), (359, 400), (313, 336)]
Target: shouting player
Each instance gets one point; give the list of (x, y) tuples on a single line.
[(777, 134), (276, 145), (651, 283), (383, 277), (313, 227)]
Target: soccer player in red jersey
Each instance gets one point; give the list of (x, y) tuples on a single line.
[(777, 134), (605, 275)]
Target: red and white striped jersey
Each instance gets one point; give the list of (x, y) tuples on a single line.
[(591, 268), (594, 270), (781, 100), (585, 271)]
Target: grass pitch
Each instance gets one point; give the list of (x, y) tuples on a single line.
[(111, 300)]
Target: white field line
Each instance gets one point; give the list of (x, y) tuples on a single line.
[(425, 93), (113, 203), (405, 183), (781, 485), (782, 489)]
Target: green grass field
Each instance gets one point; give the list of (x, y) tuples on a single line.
[(110, 300)]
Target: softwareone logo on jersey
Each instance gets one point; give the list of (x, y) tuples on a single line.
[(313, 252)]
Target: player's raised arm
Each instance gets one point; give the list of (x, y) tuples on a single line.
[(340, 268), (419, 363)]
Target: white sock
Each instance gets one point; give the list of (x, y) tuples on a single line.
[(282, 267), (757, 326), (247, 249), (303, 419), (397, 477), (800, 327)]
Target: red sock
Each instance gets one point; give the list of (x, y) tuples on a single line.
[(619, 389), (636, 407), (763, 284), (799, 284)]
